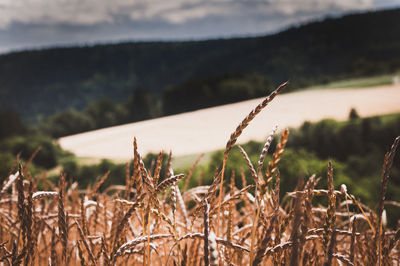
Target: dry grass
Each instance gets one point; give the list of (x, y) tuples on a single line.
[(148, 222)]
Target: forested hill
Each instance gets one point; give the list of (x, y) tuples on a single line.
[(44, 81)]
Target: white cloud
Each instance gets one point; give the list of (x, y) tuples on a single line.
[(290, 7), (90, 12), (42, 23), (78, 12)]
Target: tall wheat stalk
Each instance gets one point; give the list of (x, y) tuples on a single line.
[(69, 225), (235, 135)]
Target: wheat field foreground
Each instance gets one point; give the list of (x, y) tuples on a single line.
[(153, 222), (206, 130)]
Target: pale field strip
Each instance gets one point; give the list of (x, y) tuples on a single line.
[(209, 129)]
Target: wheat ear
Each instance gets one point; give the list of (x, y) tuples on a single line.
[(387, 164), (121, 225), (99, 183), (206, 232), (190, 173), (265, 149), (62, 220), (235, 135), (157, 170), (331, 217), (276, 157), (249, 164), (82, 235), (168, 182)]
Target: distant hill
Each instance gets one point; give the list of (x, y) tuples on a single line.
[(41, 82)]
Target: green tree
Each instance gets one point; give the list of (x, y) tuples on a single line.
[(105, 113), (47, 156), (353, 114), (141, 105), (67, 123), (10, 124)]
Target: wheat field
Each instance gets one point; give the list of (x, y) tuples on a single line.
[(152, 222), (207, 129)]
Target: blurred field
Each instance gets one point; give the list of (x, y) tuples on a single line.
[(364, 82), (205, 130), (153, 220)]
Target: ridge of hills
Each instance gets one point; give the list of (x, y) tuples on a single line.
[(37, 83)]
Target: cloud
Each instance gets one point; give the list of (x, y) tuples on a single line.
[(90, 12), (43, 23)]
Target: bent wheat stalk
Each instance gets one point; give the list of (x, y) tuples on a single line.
[(235, 135)]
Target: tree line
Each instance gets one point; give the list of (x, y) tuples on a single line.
[(142, 104), (356, 147), (35, 83)]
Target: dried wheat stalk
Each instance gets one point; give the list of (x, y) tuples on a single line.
[(265, 149), (62, 220), (238, 131), (168, 182)]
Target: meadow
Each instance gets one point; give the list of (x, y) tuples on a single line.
[(151, 220)]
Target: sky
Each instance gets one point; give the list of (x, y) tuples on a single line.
[(28, 24)]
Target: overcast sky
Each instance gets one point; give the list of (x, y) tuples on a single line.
[(43, 23)]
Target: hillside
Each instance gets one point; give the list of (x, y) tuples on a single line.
[(41, 82), (206, 130)]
